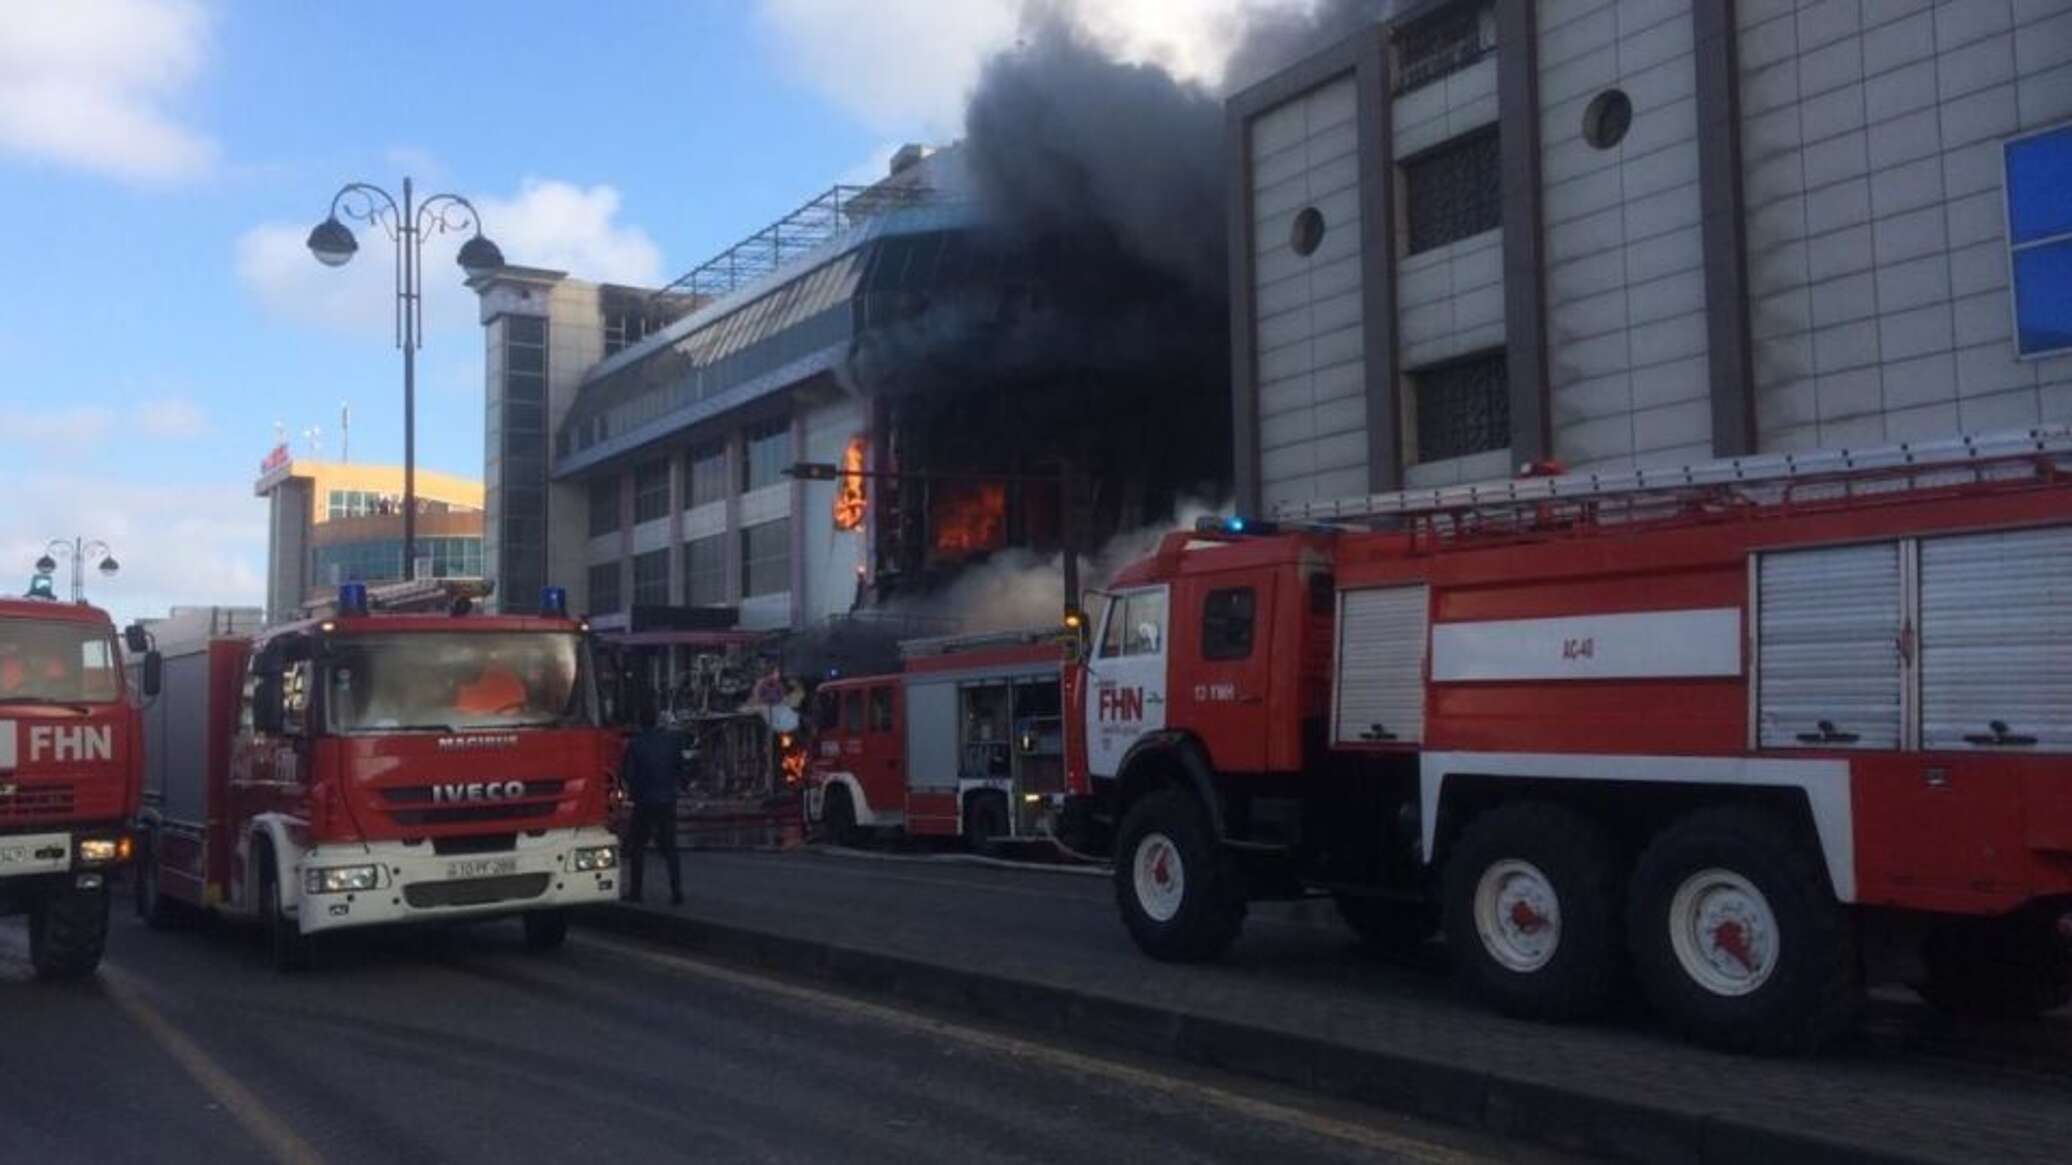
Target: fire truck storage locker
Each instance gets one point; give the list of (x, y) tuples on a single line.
[(931, 750), (186, 748)]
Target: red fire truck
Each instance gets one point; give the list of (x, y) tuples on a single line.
[(1744, 732), (373, 767), (68, 776), (965, 741)]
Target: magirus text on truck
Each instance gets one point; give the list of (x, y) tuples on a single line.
[(1747, 734), (373, 766)]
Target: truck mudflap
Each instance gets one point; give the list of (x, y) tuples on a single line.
[(414, 883)]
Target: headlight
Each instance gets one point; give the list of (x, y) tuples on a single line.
[(340, 879), (595, 857), (102, 849)]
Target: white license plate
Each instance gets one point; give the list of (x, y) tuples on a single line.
[(481, 867), (35, 855)]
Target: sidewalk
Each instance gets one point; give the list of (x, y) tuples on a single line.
[(1296, 1002)]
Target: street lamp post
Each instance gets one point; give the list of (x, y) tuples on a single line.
[(407, 224), (77, 551)]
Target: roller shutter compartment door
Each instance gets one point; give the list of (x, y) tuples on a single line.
[(1996, 641), (931, 737), (1381, 655), (1828, 663)]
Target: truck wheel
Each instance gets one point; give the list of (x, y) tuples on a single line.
[(1179, 892), (546, 930), (158, 911), (1531, 912), (68, 932), (1387, 924), (1997, 968), (838, 817), (985, 821), (286, 946), (1737, 938)]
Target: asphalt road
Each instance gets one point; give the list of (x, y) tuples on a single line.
[(463, 1047)]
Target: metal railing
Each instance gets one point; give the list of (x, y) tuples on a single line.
[(792, 237)]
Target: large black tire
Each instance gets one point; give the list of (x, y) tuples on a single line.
[(1191, 903), (546, 930), (1531, 910), (1737, 937), (287, 948), (838, 817), (985, 821), (1997, 968), (158, 911), (1388, 924), (68, 932)]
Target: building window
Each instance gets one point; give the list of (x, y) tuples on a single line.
[(520, 433), (708, 473), (768, 454), (1453, 191), (1226, 623), (604, 588), (604, 506), (705, 571), (1463, 406), (1447, 41), (766, 558), (651, 579), (651, 491), (2039, 229), (359, 503)]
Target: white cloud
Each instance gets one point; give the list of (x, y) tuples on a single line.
[(547, 223), (171, 417), (203, 543), (75, 425), (925, 55), (89, 83)]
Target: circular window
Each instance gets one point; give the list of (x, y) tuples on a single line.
[(1607, 118), (1307, 231)]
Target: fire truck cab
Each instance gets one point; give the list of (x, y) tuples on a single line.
[(1745, 732), (965, 741), (371, 766), (69, 761)]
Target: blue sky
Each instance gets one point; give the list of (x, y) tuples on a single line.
[(161, 160)]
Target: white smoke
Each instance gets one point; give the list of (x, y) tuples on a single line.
[(1020, 588)]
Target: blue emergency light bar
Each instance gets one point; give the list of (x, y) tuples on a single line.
[(1234, 525), (352, 598), (554, 602)]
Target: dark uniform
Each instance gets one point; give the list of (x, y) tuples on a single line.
[(649, 770)]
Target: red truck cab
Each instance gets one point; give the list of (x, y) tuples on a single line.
[(69, 764), (377, 767)]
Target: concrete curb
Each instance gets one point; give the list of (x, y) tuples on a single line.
[(1565, 1116)]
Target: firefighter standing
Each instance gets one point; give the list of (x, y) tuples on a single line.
[(649, 770)]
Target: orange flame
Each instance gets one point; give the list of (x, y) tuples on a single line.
[(850, 500), (794, 766), (971, 520)]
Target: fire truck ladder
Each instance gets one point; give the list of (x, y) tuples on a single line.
[(976, 641), (1886, 468)]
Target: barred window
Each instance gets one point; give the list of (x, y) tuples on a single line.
[(604, 506), (651, 491), (604, 588), (651, 578), (708, 473), (1447, 41), (1453, 191), (766, 558), (705, 571), (1463, 407)]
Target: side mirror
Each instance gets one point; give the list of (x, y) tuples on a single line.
[(266, 703), (136, 639), (154, 673)]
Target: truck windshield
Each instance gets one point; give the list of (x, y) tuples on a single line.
[(456, 680), (54, 662)]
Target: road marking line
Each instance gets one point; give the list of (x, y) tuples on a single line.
[(269, 1130), (1365, 1136)]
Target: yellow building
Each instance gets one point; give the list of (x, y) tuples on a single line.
[(331, 522)]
